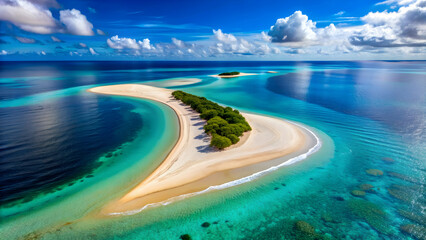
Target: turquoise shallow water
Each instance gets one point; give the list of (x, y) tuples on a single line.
[(363, 112)]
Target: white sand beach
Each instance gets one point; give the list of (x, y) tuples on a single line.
[(190, 165)]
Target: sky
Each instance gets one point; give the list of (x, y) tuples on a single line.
[(212, 30)]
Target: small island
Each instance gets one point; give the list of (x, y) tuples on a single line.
[(224, 124), (193, 166), (229, 73), (232, 74)]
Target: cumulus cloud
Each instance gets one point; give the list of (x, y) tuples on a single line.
[(28, 16), (297, 31), (122, 43), (76, 23), (328, 32), (265, 37), (34, 16), (146, 44), (296, 34), (295, 28), (130, 45), (220, 44), (381, 42), (224, 37), (229, 44), (178, 43), (405, 27), (188, 47), (177, 48)]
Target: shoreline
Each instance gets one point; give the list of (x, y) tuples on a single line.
[(188, 168), (225, 185)]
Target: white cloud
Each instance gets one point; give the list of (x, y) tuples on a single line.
[(118, 43), (25, 40), (100, 32), (224, 37), (229, 44), (405, 27), (3, 52), (28, 16), (145, 44), (265, 36), (55, 39), (220, 43), (34, 16), (188, 47), (178, 43), (75, 53), (293, 29), (328, 32), (294, 51), (297, 34), (122, 43), (339, 13), (398, 2), (46, 3), (76, 23), (92, 51)]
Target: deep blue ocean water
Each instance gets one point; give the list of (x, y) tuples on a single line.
[(52, 134), (46, 145)]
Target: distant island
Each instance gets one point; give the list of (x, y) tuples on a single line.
[(232, 74), (224, 124), (229, 73)]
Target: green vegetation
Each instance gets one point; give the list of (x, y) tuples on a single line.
[(185, 237), (224, 124), (229, 73)]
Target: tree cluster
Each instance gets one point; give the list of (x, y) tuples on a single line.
[(224, 124), (229, 73)]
